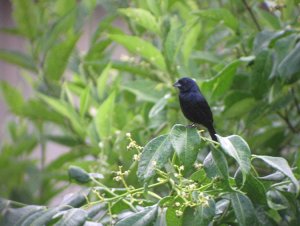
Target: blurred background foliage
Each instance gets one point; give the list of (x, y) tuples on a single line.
[(245, 56)]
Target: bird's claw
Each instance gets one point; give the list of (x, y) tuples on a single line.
[(193, 125)]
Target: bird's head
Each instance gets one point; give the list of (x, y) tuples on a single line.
[(186, 84)]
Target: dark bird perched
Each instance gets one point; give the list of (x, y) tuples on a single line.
[(194, 106)]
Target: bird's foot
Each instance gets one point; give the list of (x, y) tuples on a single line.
[(193, 125)]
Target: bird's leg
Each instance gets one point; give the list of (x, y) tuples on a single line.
[(193, 125)]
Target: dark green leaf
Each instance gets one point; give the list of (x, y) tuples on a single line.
[(215, 165), (262, 69), (142, 218), (289, 68), (243, 209), (73, 217), (78, 174)]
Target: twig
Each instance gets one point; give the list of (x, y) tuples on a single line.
[(252, 15), (287, 120), (296, 101)]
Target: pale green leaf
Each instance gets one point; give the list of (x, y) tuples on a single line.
[(104, 117), (25, 13), (185, 142), (219, 15), (237, 148), (17, 58), (145, 90), (85, 99), (102, 81), (141, 47), (57, 58), (13, 97), (66, 110), (155, 155), (142, 17), (282, 165)]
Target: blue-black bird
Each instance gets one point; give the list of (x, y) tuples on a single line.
[(194, 106)]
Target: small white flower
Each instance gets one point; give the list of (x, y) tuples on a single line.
[(178, 213), (128, 134), (100, 144)]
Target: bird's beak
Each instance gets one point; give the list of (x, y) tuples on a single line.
[(177, 84)]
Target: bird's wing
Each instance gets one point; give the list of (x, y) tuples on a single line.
[(204, 114)]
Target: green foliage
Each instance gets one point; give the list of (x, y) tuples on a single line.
[(245, 57)]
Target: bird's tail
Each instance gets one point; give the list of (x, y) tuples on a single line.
[(212, 133)]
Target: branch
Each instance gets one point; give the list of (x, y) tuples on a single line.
[(252, 15), (296, 101), (287, 121)]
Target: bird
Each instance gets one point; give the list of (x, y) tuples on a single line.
[(194, 106)]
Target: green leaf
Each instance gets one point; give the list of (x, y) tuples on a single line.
[(236, 147), (254, 189), (262, 69), (73, 217), (18, 58), (189, 42), (102, 81), (205, 56), (84, 101), (104, 117), (25, 13), (289, 68), (199, 216), (66, 110), (239, 108), (155, 155), (171, 218), (215, 165), (13, 97), (243, 209), (48, 215), (185, 142), (282, 165), (143, 218), (159, 106), (142, 17), (219, 15), (145, 90), (57, 58), (222, 82), (78, 174), (172, 42), (141, 47)]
